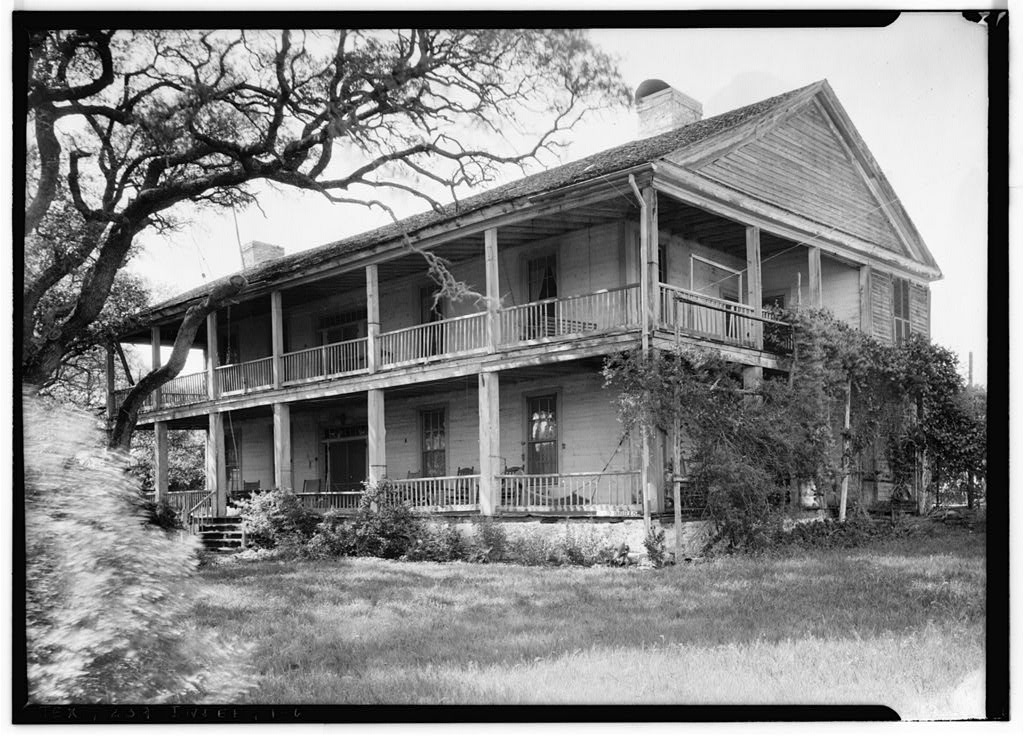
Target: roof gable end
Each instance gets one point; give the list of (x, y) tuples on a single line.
[(808, 159)]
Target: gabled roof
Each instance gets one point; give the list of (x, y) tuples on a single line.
[(598, 165), (695, 142)]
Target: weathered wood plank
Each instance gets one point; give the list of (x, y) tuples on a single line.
[(881, 306), (697, 190), (919, 314)]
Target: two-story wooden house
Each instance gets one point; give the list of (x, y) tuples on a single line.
[(337, 365)]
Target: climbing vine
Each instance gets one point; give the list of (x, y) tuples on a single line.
[(747, 446)]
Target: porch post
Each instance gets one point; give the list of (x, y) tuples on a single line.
[(372, 323), (216, 473), (649, 262), (160, 466), (277, 337), (211, 356), (155, 340), (492, 289), (488, 405), (754, 282), (376, 434), (282, 447), (814, 276)]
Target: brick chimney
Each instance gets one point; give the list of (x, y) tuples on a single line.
[(661, 108), (256, 252)]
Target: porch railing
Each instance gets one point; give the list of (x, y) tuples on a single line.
[(248, 376), (700, 315), (440, 339), (612, 492), (327, 500), (184, 390), (452, 492), (192, 506), (325, 361), (122, 393), (575, 315)]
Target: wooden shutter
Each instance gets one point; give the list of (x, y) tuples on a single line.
[(881, 306), (919, 317)]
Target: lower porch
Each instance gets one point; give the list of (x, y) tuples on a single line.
[(537, 441)]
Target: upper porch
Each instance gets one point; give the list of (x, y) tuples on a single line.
[(590, 275)]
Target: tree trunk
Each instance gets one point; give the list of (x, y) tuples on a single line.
[(128, 413)]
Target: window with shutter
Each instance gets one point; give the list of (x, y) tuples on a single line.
[(900, 310)]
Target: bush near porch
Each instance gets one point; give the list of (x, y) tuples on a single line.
[(899, 622)]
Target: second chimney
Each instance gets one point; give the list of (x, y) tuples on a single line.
[(661, 108), (256, 252)]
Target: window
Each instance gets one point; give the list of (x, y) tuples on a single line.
[(434, 443), (542, 435), (662, 263), (542, 278), (341, 327), (543, 283), (900, 310)]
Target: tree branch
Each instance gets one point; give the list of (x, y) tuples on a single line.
[(195, 317)]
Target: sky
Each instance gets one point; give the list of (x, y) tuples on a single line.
[(916, 91)]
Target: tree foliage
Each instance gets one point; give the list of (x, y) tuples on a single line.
[(186, 463), (108, 595), (132, 130), (745, 447)]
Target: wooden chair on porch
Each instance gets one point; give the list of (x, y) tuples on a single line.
[(311, 485), (464, 487)]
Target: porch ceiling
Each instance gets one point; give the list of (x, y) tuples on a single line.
[(712, 230)]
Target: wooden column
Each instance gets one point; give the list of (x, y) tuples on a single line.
[(492, 289), (376, 435), (282, 447), (488, 406), (650, 291), (814, 277), (211, 355), (160, 466), (216, 472), (372, 319), (865, 299), (277, 337), (155, 360), (754, 282)]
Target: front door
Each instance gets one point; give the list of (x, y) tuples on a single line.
[(346, 465)]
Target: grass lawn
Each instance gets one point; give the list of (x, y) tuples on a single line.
[(901, 623)]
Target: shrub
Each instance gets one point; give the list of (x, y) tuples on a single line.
[(654, 543), (439, 544), (532, 549), (385, 526), (489, 544), (277, 518), (584, 547), (334, 537), (107, 596), (161, 514)]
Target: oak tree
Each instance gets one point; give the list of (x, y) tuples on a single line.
[(131, 131)]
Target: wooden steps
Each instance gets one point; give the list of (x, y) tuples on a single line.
[(220, 533)]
